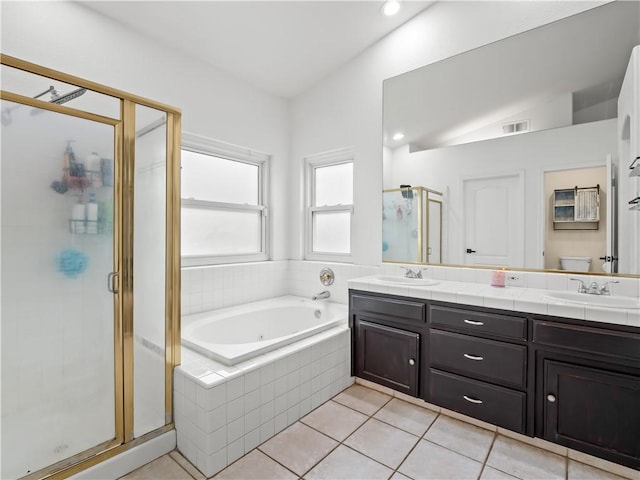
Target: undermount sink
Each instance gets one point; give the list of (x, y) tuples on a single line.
[(608, 301), (422, 282)]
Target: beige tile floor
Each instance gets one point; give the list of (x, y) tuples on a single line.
[(366, 434)]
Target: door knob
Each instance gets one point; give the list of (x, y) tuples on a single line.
[(412, 361), (551, 398), (470, 251)]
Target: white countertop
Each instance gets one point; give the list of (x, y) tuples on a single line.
[(528, 300)]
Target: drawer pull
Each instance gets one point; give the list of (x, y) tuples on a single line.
[(473, 322), (472, 357), (551, 398), (472, 400), (412, 361)]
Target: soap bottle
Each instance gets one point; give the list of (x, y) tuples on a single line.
[(92, 214), (95, 172)]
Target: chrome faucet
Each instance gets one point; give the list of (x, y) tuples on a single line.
[(411, 273), (594, 288), (321, 295)]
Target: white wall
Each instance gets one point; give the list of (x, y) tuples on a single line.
[(71, 38), (531, 155), (346, 108)]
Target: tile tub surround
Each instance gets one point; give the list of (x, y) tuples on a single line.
[(220, 286), (521, 298), (348, 438), (223, 412)]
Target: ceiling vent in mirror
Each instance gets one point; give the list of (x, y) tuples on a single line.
[(515, 127)]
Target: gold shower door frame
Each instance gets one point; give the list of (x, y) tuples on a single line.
[(124, 167)]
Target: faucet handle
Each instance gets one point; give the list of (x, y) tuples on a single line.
[(604, 288), (411, 273), (582, 288)]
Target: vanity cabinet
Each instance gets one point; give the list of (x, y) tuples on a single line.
[(571, 382), (477, 364), (588, 389), (387, 334)]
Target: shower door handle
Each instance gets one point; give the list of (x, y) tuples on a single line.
[(111, 282)]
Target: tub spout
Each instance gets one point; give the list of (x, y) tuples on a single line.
[(318, 296)]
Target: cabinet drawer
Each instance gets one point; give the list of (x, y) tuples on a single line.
[(507, 326), (496, 405), (587, 339), (488, 359), (389, 307)]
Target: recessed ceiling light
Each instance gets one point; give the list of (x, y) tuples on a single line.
[(390, 7), (398, 136)]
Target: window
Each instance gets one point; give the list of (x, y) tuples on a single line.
[(224, 208), (329, 205)]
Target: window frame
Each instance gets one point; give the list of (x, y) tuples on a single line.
[(216, 148), (311, 163)]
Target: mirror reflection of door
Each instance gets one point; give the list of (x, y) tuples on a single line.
[(576, 239), (494, 221)]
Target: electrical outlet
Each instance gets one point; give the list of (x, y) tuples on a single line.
[(514, 280)]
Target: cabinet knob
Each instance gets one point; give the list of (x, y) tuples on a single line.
[(551, 398), (412, 361)]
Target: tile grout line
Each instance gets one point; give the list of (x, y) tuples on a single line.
[(486, 459), (180, 465)]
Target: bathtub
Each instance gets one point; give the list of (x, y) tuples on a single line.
[(236, 334)]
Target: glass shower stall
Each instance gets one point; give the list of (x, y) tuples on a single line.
[(89, 275)]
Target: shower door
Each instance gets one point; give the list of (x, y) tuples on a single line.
[(62, 397)]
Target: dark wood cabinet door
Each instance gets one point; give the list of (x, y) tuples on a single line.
[(592, 410), (388, 356)]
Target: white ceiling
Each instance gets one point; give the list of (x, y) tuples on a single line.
[(584, 56), (281, 47)]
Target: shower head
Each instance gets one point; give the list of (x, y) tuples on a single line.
[(60, 99)]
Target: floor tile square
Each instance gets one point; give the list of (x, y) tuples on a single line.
[(580, 471), (525, 461), (490, 473), (468, 440), (363, 399), (335, 420), (432, 462), (384, 443), (406, 416), (346, 464), (163, 468), (287, 446), (255, 466)]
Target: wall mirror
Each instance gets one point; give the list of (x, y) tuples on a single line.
[(522, 142)]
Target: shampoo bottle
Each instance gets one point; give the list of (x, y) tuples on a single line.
[(92, 214), (93, 165)]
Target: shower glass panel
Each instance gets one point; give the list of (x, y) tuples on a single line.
[(401, 226), (149, 247), (57, 244)]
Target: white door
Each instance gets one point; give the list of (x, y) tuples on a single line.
[(494, 221)]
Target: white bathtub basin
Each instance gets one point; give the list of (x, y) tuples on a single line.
[(398, 280), (608, 301)]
